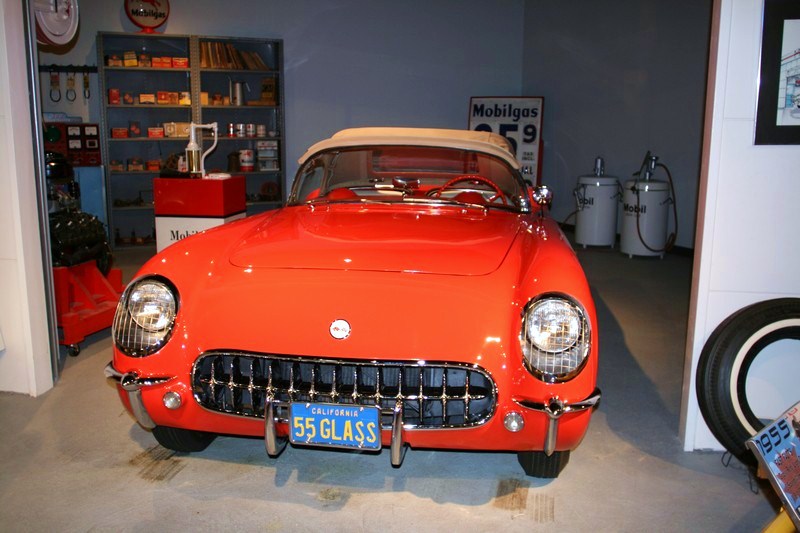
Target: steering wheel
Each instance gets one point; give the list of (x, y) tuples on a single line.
[(478, 178)]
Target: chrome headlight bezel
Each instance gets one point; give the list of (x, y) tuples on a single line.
[(145, 316), (554, 362)]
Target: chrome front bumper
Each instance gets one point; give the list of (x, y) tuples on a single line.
[(555, 409), (132, 384)]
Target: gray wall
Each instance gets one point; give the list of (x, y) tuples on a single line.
[(619, 78), (348, 62)]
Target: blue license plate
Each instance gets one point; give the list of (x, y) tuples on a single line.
[(338, 426)]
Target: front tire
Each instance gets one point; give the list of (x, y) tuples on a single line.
[(539, 464), (182, 440), (725, 361)]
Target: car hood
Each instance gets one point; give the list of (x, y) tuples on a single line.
[(434, 240)]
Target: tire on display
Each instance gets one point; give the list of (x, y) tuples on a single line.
[(182, 440), (539, 464), (725, 361)]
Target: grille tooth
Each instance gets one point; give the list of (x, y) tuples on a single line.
[(433, 395)]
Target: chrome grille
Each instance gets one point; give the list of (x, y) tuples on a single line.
[(433, 395)]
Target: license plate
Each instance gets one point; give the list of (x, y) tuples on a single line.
[(777, 448), (336, 426)]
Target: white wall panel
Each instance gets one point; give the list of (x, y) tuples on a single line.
[(740, 85), (748, 219)]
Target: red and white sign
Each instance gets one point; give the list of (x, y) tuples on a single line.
[(147, 14)]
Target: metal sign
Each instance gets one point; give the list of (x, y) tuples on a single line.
[(518, 119), (147, 14)]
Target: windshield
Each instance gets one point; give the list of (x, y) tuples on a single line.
[(416, 174)]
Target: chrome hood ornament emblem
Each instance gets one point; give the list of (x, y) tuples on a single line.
[(340, 329)]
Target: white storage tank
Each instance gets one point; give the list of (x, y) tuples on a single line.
[(596, 219), (645, 206)]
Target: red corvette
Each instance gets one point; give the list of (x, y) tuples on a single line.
[(412, 292)]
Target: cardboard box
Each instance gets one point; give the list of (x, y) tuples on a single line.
[(176, 129), (147, 98), (266, 145), (116, 166), (203, 98), (134, 128), (267, 165), (180, 62), (155, 133), (162, 97), (127, 98), (113, 60), (119, 133), (154, 165), (145, 61), (113, 97), (130, 59), (135, 164)]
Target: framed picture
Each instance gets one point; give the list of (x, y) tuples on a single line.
[(518, 119), (778, 110)]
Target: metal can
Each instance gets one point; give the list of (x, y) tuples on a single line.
[(231, 130), (240, 131), (250, 130), (261, 130), (246, 160)]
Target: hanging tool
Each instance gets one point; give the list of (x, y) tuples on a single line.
[(71, 95), (86, 92), (55, 86)]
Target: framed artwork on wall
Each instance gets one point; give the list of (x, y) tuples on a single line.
[(518, 119), (778, 109)]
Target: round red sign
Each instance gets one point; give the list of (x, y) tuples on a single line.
[(147, 14)]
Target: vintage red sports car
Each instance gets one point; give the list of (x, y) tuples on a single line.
[(412, 292)]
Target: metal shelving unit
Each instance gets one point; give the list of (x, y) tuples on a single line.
[(134, 224)]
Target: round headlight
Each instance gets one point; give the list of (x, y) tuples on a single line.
[(554, 338), (553, 325), (151, 305), (145, 317)]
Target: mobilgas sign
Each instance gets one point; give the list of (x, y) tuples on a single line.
[(147, 14), (518, 119)]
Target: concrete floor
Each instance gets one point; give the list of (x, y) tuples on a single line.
[(74, 460)]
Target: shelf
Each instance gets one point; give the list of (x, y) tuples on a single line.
[(148, 69), (237, 71), (227, 138), (239, 107), (265, 89), (148, 106), (150, 139)]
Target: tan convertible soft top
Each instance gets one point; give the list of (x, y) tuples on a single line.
[(478, 141)]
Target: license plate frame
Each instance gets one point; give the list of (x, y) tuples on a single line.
[(326, 425)]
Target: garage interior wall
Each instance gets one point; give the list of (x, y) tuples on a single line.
[(747, 217), (348, 62), (619, 79)]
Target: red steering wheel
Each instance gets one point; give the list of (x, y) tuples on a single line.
[(478, 178)]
